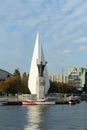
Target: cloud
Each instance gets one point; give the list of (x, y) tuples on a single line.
[(60, 22), (81, 40), (83, 48), (67, 52)]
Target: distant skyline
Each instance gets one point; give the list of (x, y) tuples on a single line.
[(62, 28)]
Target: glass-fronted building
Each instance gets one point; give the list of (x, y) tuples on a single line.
[(77, 76)]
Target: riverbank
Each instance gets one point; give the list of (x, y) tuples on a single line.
[(18, 99)]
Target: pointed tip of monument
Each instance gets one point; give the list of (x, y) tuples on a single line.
[(37, 35)]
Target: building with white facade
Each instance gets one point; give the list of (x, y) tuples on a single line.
[(77, 76), (58, 78)]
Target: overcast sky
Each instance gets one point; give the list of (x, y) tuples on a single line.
[(62, 25)]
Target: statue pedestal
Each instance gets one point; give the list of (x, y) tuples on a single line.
[(40, 87)]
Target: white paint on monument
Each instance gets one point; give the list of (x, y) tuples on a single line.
[(38, 56)]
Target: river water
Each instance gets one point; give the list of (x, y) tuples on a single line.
[(44, 117)]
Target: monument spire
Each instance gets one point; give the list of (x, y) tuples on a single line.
[(38, 64)]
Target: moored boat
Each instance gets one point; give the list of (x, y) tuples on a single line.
[(3, 101), (78, 99), (71, 100), (37, 102)]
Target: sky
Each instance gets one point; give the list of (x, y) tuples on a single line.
[(62, 25)]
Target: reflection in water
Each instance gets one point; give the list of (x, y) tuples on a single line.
[(35, 117), (44, 117)]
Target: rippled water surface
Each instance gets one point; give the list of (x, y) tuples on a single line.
[(44, 117)]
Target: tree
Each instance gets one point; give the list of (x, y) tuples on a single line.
[(24, 83), (11, 85), (18, 80), (53, 87), (16, 72), (60, 88), (2, 86)]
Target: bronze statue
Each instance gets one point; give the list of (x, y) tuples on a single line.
[(41, 68)]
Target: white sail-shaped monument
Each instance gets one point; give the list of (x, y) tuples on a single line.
[(38, 60)]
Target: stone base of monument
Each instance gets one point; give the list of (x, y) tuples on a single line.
[(40, 87)]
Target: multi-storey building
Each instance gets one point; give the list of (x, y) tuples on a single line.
[(58, 78), (77, 76)]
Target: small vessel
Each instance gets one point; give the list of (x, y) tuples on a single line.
[(38, 102), (77, 99), (3, 101), (71, 100)]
